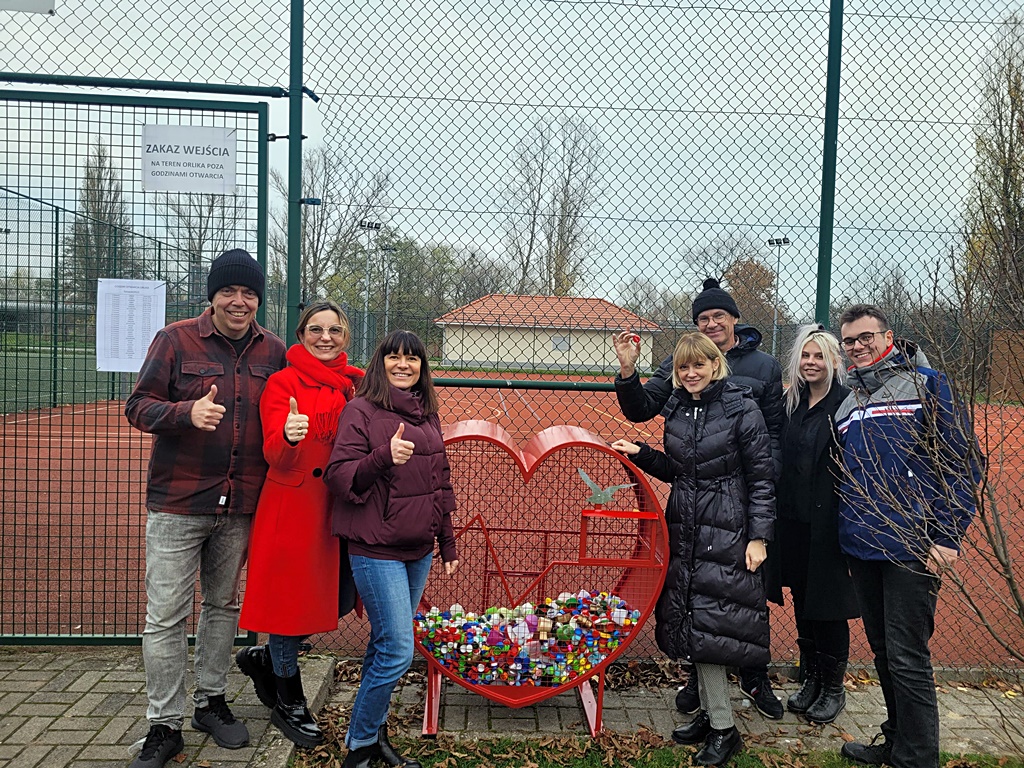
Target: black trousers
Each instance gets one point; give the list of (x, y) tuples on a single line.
[(897, 603)]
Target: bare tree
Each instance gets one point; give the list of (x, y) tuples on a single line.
[(477, 274), (714, 257), (101, 242), (554, 184), (641, 295), (995, 227), (330, 231), (200, 226)]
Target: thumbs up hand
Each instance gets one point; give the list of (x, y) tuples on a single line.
[(206, 414), (401, 450), (296, 425)]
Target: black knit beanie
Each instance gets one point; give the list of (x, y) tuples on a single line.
[(235, 267), (714, 297)]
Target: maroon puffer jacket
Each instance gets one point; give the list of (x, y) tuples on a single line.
[(386, 511)]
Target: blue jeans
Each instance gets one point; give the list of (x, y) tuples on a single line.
[(897, 604), (390, 591), (177, 546), (284, 653)]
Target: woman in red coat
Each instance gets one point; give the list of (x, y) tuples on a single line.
[(294, 560)]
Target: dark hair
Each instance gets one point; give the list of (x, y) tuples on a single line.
[(375, 386), (323, 306), (857, 311)]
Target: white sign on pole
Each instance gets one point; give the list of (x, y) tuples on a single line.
[(29, 6), (128, 315), (188, 158)]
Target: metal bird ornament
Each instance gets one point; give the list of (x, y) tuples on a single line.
[(601, 495)]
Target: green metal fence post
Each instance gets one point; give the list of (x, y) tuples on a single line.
[(54, 274), (828, 161), (294, 166), (262, 173)]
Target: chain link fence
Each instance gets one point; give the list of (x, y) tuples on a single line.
[(74, 213), (515, 180)]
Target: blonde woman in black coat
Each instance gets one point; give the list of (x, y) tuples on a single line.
[(807, 529), (718, 458)]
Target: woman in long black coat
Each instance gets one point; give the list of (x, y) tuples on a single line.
[(807, 532), (718, 458)]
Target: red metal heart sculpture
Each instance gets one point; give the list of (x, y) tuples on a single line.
[(531, 527)]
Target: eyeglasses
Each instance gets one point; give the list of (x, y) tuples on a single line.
[(717, 317), (865, 338), (317, 331)]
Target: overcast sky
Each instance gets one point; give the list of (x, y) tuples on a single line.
[(710, 117)]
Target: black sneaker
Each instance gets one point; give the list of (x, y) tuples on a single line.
[(688, 697), (216, 719), (868, 754), (759, 691), (161, 744)]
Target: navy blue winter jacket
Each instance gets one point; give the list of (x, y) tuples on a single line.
[(910, 461)]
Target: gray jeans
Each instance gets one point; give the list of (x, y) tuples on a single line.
[(177, 546), (713, 688)]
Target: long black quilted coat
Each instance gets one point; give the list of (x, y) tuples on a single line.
[(718, 458)]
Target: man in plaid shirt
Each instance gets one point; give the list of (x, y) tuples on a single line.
[(198, 394)]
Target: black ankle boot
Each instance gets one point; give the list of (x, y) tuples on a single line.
[(832, 699), (694, 732), (387, 753), (360, 758), (291, 715), (802, 700), (688, 697), (255, 664), (720, 747)]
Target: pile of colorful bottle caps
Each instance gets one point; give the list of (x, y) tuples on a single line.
[(548, 644)]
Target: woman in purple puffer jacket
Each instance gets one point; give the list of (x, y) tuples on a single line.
[(393, 499)]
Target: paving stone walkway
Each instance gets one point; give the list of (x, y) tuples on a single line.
[(85, 707)]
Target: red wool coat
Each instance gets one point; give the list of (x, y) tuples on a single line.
[(292, 582)]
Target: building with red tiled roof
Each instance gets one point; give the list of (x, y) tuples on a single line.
[(539, 332)]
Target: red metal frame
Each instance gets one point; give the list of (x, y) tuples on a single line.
[(649, 559)]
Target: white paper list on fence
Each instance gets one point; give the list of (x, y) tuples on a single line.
[(188, 158), (128, 315)]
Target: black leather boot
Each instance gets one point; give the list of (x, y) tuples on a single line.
[(694, 732), (720, 747), (292, 716), (360, 758), (832, 699), (801, 701), (387, 753), (255, 664), (688, 697)]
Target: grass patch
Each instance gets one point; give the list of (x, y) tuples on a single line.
[(643, 749)]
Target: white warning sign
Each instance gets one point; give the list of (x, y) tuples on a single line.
[(188, 158)]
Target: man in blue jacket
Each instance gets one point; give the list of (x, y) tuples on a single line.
[(910, 469), (716, 315)]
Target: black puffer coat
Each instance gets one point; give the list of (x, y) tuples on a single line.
[(718, 459), (756, 370)]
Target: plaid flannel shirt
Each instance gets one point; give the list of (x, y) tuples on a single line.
[(192, 471)]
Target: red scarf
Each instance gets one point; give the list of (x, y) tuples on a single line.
[(335, 380)]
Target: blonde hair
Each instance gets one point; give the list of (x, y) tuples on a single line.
[(829, 346), (694, 347)]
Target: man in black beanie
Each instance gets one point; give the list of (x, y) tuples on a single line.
[(716, 316), (198, 394)]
